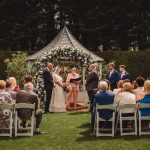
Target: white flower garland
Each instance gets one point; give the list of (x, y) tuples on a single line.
[(56, 56)]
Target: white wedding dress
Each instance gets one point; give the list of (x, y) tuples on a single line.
[(57, 103)]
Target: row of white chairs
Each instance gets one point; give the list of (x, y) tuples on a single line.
[(14, 122), (119, 116)]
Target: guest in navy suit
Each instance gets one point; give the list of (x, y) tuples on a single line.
[(112, 76), (48, 85), (103, 97), (123, 74)]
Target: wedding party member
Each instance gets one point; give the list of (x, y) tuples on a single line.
[(48, 84), (112, 76), (14, 85), (92, 84), (57, 103), (146, 98), (123, 73), (73, 88), (28, 96), (102, 98)]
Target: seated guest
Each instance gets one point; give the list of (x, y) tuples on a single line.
[(28, 96), (5, 98), (119, 87), (140, 83), (134, 85), (3, 93), (14, 85), (29, 79), (139, 91), (146, 98), (109, 88), (126, 96), (102, 98), (123, 74), (9, 90)]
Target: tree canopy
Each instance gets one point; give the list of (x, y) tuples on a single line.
[(115, 24)]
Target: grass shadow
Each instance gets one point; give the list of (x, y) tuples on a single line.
[(86, 125), (87, 135), (77, 113)]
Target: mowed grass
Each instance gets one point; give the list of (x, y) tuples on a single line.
[(71, 131)]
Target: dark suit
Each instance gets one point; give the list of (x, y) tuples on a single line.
[(48, 86), (113, 79), (125, 76), (91, 86), (31, 98), (102, 98)]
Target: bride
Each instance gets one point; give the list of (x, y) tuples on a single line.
[(58, 99)]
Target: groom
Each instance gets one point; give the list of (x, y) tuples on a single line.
[(48, 84)]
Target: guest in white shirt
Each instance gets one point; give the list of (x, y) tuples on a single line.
[(126, 97)]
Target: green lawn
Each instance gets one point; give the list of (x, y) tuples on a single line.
[(70, 131)]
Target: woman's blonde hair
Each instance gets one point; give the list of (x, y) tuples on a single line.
[(127, 86), (2, 84), (147, 87)]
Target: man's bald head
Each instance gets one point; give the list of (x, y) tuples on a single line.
[(50, 66)]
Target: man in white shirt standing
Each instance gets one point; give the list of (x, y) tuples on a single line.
[(124, 75)]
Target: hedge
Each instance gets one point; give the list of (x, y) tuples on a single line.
[(137, 62)]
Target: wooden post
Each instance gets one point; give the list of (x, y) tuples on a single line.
[(84, 91), (100, 70)]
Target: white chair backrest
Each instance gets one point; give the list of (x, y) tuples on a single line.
[(7, 106), (130, 107), (144, 105), (24, 105), (110, 106)]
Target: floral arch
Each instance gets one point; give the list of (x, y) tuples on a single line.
[(64, 57)]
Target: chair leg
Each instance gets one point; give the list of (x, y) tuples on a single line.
[(97, 129), (113, 125), (16, 114), (11, 123), (121, 127), (32, 124), (135, 125), (139, 125), (117, 123)]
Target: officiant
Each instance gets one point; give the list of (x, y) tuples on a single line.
[(72, 83)]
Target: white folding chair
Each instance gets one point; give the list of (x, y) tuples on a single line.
[(99, 130), (8, 129), (29, 129), (143, 118), (122, 112)]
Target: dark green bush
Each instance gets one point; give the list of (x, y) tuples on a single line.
[(137, 62)]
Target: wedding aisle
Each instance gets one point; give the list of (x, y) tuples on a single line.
[(70, 131)]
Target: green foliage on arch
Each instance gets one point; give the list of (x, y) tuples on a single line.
[(64, 56)]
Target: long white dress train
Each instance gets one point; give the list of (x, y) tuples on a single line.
[(57, 103)]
